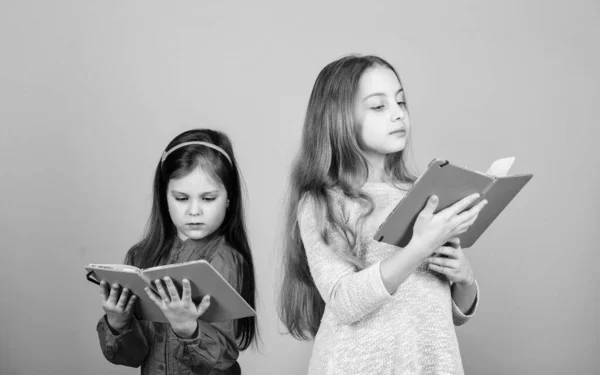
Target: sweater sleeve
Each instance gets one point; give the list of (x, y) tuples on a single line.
[(129, 348), (349, 294), (458, 316), (215, 346)]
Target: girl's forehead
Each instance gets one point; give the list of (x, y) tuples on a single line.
[(378, 79), (196, 179)]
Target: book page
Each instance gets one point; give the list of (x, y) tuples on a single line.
[(500, 167), (174, 265), (116, 267), (226, 303)]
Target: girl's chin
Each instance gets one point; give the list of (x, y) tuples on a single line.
[(400, 145), (394, 149), (194, 234)]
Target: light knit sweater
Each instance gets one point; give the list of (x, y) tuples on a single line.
[(364, 329)]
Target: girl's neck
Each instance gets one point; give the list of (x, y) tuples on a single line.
[(374, 178), (376, 164), (208, 238)]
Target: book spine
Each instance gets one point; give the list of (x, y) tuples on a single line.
[(146, 279), (487, 189)]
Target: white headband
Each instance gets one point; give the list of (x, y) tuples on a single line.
[(166, 153)]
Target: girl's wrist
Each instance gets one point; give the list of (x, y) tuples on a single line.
[(186, 331), (419, 248), (467, 282), (116, 327)]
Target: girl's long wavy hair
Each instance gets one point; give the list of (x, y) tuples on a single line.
[(160, 231), (329, 159)]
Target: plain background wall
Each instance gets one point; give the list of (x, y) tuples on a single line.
[(91, 93)]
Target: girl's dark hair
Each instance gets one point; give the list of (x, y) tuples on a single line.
[(330, 159), (161, 232)]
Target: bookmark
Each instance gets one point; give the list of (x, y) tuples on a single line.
[(500, 167)]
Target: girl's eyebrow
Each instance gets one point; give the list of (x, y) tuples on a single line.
[(381, 94), (203, 193)]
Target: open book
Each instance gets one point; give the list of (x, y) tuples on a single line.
[(225, 302), (451, 184)]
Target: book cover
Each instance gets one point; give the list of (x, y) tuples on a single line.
[(452, 183), (225, 302)]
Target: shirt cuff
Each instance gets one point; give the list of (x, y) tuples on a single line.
[(116, 334), (377, 281), (194, 337), (461, 318)]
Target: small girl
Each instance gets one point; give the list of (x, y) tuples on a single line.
[(196, 214), (372, 308)]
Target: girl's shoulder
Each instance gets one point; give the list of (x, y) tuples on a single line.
[(134, 253), (332, 205), (225, 255), (333, 197), (229, 262)]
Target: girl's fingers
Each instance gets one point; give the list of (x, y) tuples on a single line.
[(444, 262), (448, 251), (204, 304), (130, 304), (462, 220), (114, 294), (454, 242), (430, 207), (461, 205), (472, 213), (466, 225), (153, 296), (161, 291), (439, 269), (479, 206), (173, 293), (103, 291), (123, 298), (187, 290)]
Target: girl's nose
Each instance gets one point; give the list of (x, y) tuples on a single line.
[(195, 209), (399, 113)]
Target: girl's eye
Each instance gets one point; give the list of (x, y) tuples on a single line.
[(401, 104), (181, 199), (209, 199), (378, 108)]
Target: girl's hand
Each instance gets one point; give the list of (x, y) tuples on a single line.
[(431, 230), (117, 306), (182, 312), (453, 263)]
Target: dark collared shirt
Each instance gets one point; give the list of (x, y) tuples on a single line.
[(157, 349)]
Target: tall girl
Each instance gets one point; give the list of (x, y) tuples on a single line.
[(372, 308), (196, 214)]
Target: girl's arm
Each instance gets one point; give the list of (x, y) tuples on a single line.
[(350, 295), (213, 345), (450, 260), (128, 348), (465, 299)]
